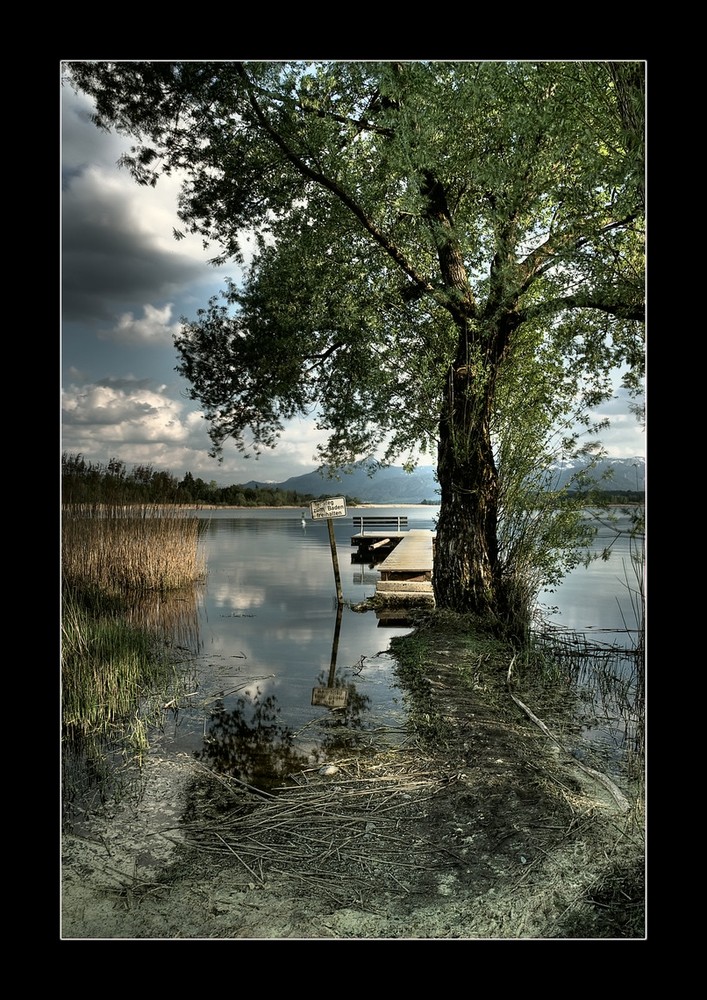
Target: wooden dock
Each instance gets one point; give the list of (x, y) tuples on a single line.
[(407, 559), (406, 574), (377, 536), (376, 543)]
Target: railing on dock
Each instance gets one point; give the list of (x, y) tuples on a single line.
[(375, 525)]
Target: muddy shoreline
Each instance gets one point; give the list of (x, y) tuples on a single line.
[(489, 830)]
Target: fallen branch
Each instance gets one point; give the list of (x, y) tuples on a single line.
[(618, 796)]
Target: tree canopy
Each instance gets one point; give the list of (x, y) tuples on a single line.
[(433, 252)]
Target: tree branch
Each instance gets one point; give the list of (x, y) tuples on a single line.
[(390, 248), (585, 300), (545, 256)]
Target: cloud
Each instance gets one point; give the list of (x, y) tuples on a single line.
[(137, 422), (153, 330), (626, 435), (118, 413), (118, 245), (111, 254)]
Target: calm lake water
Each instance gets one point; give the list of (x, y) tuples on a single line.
[(263, 642), (271, 638), (599, 600)]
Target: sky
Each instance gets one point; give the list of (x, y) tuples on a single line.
[(125, 284)]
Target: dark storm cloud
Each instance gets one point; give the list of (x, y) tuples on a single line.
[(130, 384), (106, 265), (116, 252), (82, 142)]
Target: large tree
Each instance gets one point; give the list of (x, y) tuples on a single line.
[(427, 242)]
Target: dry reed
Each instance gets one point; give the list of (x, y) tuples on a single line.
[(340, 836), (132, 549)]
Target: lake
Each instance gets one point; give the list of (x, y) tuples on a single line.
[(271, 638), (266, 646), (598, 601)]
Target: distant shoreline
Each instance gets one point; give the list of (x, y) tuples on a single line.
[(358, 506), (299, 506)]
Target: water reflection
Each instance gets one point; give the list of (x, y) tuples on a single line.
[(250, 743), (265, 632), (271, 596), (331, 695), (271, 599), (602, 599), (173, 615)]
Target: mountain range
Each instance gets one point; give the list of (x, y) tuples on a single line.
[(392, 485)]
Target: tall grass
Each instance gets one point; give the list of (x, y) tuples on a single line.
[(117, 678), (130, 550), (121, 570), (106, 663)]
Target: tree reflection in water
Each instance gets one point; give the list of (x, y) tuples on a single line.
[(250, 744)]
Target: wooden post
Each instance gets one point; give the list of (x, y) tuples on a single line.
[(329, 508), (335, 646), (335, 561)]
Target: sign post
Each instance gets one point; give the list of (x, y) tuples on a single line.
[(332, 507)]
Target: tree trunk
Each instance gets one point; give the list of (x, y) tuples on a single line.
[(466, 550), (466, 569)]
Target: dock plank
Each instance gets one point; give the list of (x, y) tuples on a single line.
[(413, 555)]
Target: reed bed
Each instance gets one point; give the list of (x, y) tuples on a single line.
[(131, 549), (105, 665), (128, 598)]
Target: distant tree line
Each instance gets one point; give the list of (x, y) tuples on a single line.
[(89, 482)]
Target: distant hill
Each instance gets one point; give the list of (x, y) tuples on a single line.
[(392, 485), (625, 473)]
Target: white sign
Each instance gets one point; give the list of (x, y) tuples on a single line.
[(333, 507)]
